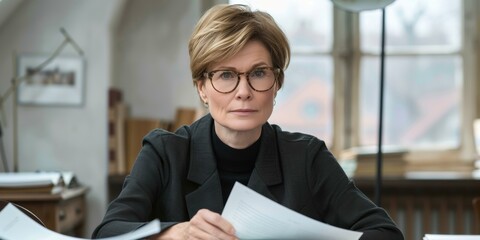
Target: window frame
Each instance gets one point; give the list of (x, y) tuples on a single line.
[(346, 57), (347, 60)]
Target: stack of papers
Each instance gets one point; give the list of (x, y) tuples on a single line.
[(31, 182), (29, 179), (37, 182), (450, 237)]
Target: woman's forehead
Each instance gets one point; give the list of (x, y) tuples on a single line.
[(253, 54)]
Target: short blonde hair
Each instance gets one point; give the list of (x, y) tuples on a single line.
[(225, 29)]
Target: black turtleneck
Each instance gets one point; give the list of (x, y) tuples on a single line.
[(233, 164)]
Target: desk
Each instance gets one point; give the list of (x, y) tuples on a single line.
[(63, 212)]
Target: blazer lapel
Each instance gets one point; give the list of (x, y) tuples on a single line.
[(208, 195), (203, 168), (268, 171), (203, 171)]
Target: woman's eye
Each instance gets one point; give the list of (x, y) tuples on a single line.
[(227, 75), (258, 73)]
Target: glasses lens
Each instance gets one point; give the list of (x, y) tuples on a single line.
[(262, 79), (224, 81)]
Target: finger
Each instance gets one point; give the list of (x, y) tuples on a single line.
[(217, 220), (204, 230), (217, 224), (200, 233)]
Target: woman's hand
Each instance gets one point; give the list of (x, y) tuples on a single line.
[(204, 225)]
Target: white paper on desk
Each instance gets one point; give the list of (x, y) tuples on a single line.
[(29, 179), (450, 237), (14, 224), (257, 217)]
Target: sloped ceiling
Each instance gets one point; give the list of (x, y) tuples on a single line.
[(7, 7)]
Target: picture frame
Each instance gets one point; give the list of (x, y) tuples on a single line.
[(60, 83)]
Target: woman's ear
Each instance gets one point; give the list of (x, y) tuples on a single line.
[(276, 90), (201, 91)]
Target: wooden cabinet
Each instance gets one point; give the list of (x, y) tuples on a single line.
[(63, 212)]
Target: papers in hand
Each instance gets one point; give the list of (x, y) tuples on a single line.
[(257, 217), (14, 224)]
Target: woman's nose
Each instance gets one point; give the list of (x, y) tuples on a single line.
[(244, 90)]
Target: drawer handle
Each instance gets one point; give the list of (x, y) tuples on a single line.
[(62, 215)]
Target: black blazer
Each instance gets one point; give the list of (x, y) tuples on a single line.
[(175, 175)]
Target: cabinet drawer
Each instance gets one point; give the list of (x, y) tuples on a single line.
[(70, 213)]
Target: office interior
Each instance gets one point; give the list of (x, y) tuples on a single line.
[(141, 48)]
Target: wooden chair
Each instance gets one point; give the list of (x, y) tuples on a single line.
[(476, 214), (24, 210)]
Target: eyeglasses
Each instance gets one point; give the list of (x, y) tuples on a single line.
[(260, 79)]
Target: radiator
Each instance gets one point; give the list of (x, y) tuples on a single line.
[(418, 215), (427, 206)]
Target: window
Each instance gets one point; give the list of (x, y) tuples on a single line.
[(423, 74), (305, 101), (332, 84)]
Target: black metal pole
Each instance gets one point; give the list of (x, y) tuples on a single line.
[(378, 187), (2, 151)]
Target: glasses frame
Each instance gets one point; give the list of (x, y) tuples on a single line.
[(276, 73)]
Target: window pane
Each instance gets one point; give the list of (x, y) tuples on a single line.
[(305, 101), (422, 101), (307, 23), (414, 23)]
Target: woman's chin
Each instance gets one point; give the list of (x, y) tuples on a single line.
[(243, 125)]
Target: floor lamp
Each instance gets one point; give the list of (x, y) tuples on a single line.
[(12, 90), (364, 5)]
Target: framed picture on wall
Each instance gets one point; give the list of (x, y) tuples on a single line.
[(61, 82)]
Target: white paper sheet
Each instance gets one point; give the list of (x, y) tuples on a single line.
[(450, 237), (14, 225), (257, 217)]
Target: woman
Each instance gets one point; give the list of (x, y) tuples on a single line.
[(237, 59)]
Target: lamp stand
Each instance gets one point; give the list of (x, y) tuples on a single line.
[(2, 151), (378, 183), (358, 6), (16, 81), (15, 113)]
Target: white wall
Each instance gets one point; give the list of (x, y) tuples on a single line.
[(138, 46), (151, 63), (151, 56), (63, 138)]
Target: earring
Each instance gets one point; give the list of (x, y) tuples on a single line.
[(274, 102), (205, 104)]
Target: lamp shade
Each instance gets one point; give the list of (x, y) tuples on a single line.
[(361, 5)]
